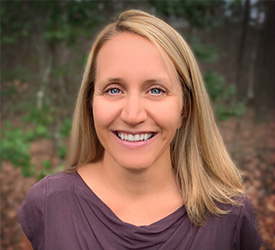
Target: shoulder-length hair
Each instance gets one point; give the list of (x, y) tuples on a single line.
[(205, 172)]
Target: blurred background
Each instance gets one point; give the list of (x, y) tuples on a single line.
[(44, 48)]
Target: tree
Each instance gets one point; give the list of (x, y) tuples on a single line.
[(264, 75)]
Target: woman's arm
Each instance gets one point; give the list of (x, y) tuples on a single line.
[(27, 243)]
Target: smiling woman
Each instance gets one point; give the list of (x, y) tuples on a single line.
[(147, 168)]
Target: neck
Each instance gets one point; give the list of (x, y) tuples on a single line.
[(135, 183)]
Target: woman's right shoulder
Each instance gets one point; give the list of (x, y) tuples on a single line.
[(50, 184), (33, 211)]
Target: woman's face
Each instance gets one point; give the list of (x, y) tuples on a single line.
[(137, 102)]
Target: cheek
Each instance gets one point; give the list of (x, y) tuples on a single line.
[(99, 113), (103, 112), (168, 115)]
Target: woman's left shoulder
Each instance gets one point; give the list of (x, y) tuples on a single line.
[(243, 207), (246, 233)]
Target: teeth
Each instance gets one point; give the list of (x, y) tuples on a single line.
[(130, 138), (146, 137), (135, 138)]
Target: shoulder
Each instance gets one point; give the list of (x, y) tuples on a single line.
[(243, 211), (239, 214), (36, 199), (32, 214), (235, 230), (246, 234), (49, 185), (60, 182), (244, 207)]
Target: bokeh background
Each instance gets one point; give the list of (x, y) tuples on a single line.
[(44, 47)]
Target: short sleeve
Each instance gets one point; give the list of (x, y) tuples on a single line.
[(246, 235), (31, 214)]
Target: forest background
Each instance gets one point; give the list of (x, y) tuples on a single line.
[(44, 48)]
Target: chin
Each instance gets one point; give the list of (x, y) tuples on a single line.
[(135, 165)]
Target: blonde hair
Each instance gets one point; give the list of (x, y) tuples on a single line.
[(205, 172)]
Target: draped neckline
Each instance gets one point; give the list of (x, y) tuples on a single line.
[(88, 193)]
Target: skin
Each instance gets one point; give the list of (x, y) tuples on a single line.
[(26, 243), (136, 92)]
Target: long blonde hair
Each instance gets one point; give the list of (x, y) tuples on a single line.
[(205, 172)]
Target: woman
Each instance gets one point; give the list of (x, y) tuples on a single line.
[(147, 168)]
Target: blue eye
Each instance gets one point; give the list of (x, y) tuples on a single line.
[(114, 91), (156, 91)]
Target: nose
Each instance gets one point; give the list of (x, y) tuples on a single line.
[(133, 111)]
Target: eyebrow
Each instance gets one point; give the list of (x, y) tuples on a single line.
[(157, 80), (115, 79), (153, 80)]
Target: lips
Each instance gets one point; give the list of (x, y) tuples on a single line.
[(134, 137)]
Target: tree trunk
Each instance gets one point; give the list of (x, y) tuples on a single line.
[(242, 48), (264, 75)]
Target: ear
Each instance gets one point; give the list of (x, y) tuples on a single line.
[(182, 117), (184, 113)]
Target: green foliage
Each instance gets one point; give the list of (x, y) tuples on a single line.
[(234, 3), (47, 165), (41, 131), (223, 95), (200, 14), (15, 141), (204, 53), (65, 129), (11, 27), (15, 144), (8, 91), (232, 110), (61, 152), (16, 73), (61, 70), (41, 118), (215, 85), (68, 20), (60, 20), (47, 170), (64, 133)]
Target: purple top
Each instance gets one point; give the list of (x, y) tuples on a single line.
[(62, 213)]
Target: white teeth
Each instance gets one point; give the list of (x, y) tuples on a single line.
[(135, 138), (130, 138), (146, 137)]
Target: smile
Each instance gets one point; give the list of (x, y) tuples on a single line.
[(134, 138)]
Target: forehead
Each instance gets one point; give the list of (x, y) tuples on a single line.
[(127, 42), (125, 49)]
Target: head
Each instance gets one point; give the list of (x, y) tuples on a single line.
[(166, 39)]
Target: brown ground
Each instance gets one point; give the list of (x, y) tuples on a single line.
[(251, 145)]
